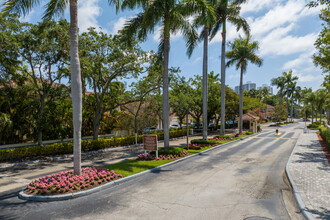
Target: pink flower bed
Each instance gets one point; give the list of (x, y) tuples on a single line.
[(161, 157), (65, 181)]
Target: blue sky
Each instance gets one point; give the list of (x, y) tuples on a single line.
[(285, 29)]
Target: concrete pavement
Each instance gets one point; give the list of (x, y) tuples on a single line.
[(310, 172)]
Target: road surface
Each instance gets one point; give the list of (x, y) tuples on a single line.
[(237, 181)]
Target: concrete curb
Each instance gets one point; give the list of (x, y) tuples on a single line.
[(296, 194), (25, 196), (86, 153)]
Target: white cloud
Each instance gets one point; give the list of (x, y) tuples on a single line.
[(305, 77), (88, 12), (118, 25), (257, 5), (278, 42)]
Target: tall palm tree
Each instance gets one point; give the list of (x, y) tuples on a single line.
[(320, 100), (171, 15), (227, 10), (205, 19), (289, 80), (243, 51), (293, 91), (310, 97), (53, 8), (280, 83)]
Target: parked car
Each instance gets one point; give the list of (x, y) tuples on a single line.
[(148, 129), (174, 126)]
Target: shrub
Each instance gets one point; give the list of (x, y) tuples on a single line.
[(171, 151), (24, 153), (223, 137), (315, 125), (249, 132), (206, 142), (258, 128), (325, 135)]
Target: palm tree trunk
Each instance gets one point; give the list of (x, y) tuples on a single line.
[(166, 107), (205, 92), (76, 90), (223, 78), (241, 103), (281, 98), (320, 114), (291, 111), (312, 113), (287, 107)]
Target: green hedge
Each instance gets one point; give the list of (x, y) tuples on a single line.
[(27, 153), (325, 135), (201, 141), (224, 136), (171, 151)]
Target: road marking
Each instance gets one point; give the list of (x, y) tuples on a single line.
[(272, 138)]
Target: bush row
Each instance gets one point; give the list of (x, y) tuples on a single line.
[(201, 141), (325, 135), (27, 153)]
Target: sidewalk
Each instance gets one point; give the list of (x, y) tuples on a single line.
[(310, 172), (19, 176)]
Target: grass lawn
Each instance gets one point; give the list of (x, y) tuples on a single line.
[(132, 166)]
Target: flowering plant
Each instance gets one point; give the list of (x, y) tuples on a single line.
[(66, 181), (149, 156)]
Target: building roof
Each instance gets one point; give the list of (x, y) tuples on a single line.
[(248, 117)]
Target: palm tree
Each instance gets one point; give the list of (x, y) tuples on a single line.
[(293, 91), (320, 101), (227, 11), (53, 8), (311, 98), (243, 51), (205, 19), (171, 16), (289, 80), (280, 83)]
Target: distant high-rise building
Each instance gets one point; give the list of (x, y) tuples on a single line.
[(247, 86), (270, 89)]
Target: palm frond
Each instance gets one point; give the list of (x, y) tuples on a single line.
[(19, 6), (55, 8)]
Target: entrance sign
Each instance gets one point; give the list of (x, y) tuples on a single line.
[(150, 142)]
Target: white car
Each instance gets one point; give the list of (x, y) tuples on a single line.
[(174, 126)]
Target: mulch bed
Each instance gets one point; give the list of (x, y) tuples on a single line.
[(325, 149)]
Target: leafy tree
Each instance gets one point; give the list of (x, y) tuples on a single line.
[(226, 10), (171, 17), (142, 89), (279, 113), (180, 99), (16, 111), (44, 48), (104, 59), (243, 51), (56, 7), (9, 62), (326, 85)]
